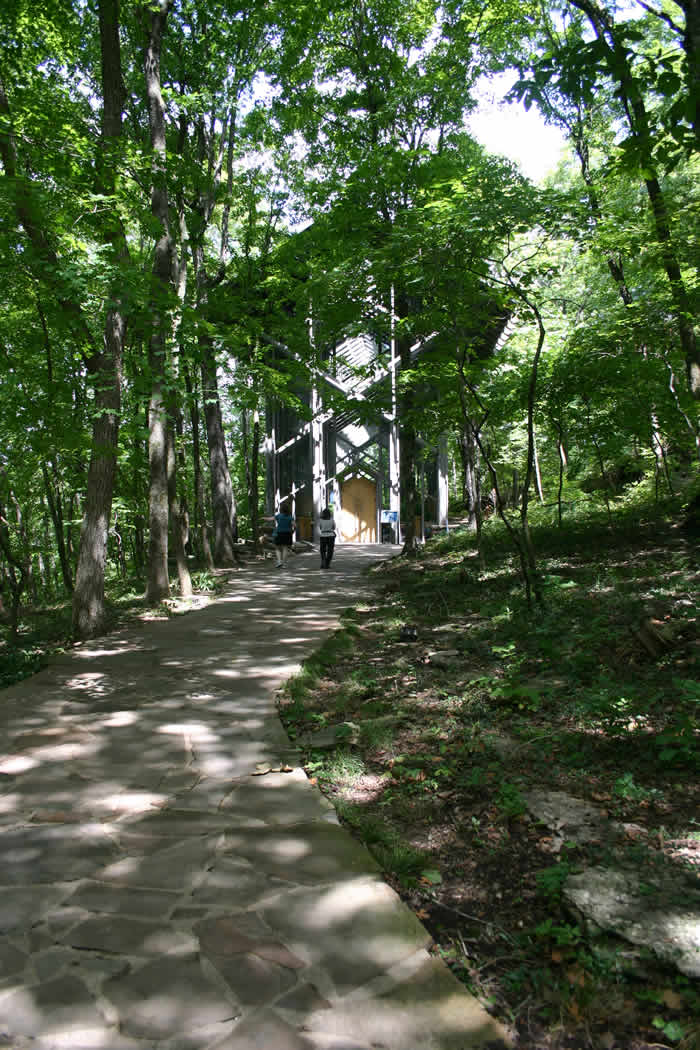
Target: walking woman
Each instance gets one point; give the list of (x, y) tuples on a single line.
[(284, 531), (327, 528)]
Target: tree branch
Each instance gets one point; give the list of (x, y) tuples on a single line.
[(662, 15)]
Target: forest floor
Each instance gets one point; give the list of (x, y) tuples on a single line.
[(446, 701)]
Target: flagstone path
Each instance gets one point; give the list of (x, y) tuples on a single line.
[(155, 894)]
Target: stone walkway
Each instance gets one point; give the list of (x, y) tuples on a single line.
[(157, 894)]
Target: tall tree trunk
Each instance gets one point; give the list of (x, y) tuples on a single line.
[(614, 259), (177, 500), (679, 294), (690, 424), (179, 526), (407, 461), (534, 579), (103, 364), (562, 467), (536, 463), (200, 510), (579, 139), (158, 586), (182, 477), (251, 447), (470, 454), (470, 446), (253, 488), (464, 463), (105, 367), (691, 43), (222, 499), (406, 418), (53, 498), (18, 568), (605, 477), (617, 58), (88, 596)]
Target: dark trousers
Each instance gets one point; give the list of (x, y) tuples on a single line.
[(327, 545)]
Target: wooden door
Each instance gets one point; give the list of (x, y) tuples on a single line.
[(358, 515)]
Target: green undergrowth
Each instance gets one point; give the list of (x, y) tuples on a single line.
[(453, 699)]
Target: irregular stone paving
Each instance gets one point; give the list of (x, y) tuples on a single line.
[(156, 894)]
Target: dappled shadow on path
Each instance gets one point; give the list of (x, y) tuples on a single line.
[(153, 888)]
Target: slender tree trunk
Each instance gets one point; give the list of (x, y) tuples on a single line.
[(630, 93), (409, 489), (469, 451), (245, 446), (254, 487), (536, 464), (515, 488), (408, 445), (18, 567), (182, 477), (106, 367), (200, 510), (221, 490), (522, 539), (88, 596), (139, 459), (179, 527), (177, 501), (692, 426), (103, 364), (605, 477), (613, 258), (657, 447), (691, 45), (464, 464), (53, 500), (562, 466), (222, 500), (534, 578), (679, 294), (475, 497), (158, 586), (251, 447), (53, 496)]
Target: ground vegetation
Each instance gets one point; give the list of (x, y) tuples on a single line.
[(446, 707)]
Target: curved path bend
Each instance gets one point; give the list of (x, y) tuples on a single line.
[(156, 895)]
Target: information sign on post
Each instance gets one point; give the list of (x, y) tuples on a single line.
[(389, 520)]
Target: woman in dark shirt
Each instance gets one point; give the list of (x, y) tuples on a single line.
[(284, 529)]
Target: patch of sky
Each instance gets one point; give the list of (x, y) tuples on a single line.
[(508, 129)]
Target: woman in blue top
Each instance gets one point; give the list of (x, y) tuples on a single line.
[(284, 529)]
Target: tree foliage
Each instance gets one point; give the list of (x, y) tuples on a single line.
[(170, 216)]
